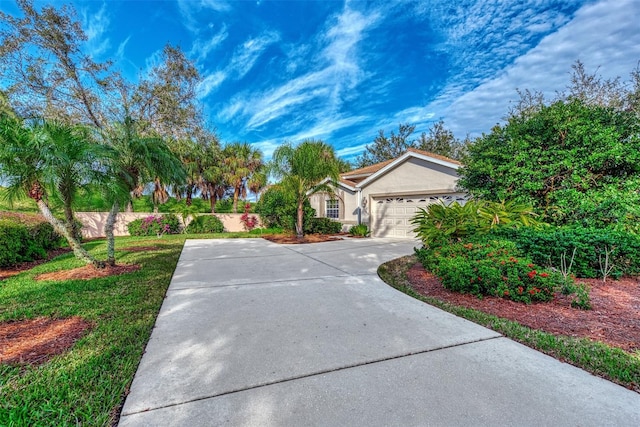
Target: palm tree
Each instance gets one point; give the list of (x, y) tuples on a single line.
[(241, 161), (303, 171), (140, 159), (46, 158), (214, 185)]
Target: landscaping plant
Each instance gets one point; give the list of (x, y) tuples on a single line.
[(205, 224), (360, 230), (154, 225)]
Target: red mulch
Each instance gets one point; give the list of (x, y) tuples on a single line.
[(307, 238), (89, 272), (614, 318), (12, 271), (36, 341)]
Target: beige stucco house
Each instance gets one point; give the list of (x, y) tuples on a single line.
[(386, 195)]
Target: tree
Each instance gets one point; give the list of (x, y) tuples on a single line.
[(140, 159), (384, 148), (442, 141), (574, 162), (43, 159), (214, 185), (241, 162), (303, 171), (165, 100), (45, 69)]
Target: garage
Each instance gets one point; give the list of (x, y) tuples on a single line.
[(392, 215)]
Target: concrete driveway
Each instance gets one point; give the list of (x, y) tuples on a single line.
[(252, 333)]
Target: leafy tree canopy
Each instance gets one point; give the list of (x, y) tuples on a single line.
[(439, 140), (575, 162)]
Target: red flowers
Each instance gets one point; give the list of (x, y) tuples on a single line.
[(544, 275), (532, 274)]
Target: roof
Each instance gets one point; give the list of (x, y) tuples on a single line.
[(435, 156), (367, 170), (371, 169)]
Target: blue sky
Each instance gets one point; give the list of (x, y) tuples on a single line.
[(278, 71)]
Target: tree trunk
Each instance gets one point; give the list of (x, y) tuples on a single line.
[(80, 252), (189, 198), (236, 195), (299, 230), (213, 199), (108, 231)]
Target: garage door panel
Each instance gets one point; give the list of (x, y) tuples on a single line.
[(392, 215)]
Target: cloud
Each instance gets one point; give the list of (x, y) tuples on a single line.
[(121, 47), (202, 47), (192, 10), (603, 35), (95, 26), (210, 83), (248, 53), (336, 70)]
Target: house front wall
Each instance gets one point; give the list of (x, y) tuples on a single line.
[(393, 198), (348, 202)]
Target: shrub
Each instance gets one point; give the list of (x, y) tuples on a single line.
[(547, 246), (154, 225), (490, 267), (277, 209), (205, 224), (322, 226), (360, 230), (249, 222), (22, 241), (440, 224)]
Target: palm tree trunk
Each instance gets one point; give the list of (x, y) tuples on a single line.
[(108, 231), (80, 252), (236, 195), (299, 230)]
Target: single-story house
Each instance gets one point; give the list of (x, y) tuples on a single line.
[(386, 195)]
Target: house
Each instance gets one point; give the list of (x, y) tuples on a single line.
[(385, 196)]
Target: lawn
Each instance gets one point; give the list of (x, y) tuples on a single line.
[(86, 385)]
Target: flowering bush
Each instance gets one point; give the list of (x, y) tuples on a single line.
[(491, 268), (248, 221), (154, 225)]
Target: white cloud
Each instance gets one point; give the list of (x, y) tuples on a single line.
[(210, 83), (321, 90), (248, 53), (95, 25), (603, 35), (121, 47), (191, 10), (202, 47)]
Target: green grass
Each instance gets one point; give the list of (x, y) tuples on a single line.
[(596, 357), (86, 385)]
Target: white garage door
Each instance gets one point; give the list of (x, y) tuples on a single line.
[(392, 215)]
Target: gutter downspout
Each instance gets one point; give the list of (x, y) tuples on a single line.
[(359, 198)]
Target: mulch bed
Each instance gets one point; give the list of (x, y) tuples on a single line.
[(88, 272), (614, 318), (37, 340), (12, 271)]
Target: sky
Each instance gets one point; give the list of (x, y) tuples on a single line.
[(276, 71)]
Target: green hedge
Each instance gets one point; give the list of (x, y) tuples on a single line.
[(154, 225), (205, 224), (321, 226), (25, 242), (547, 246)]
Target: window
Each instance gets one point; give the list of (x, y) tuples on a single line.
[(333, 209)]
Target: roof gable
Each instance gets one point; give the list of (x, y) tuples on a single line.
[(411, 153)]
